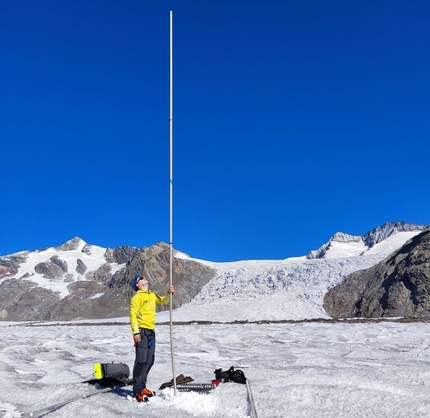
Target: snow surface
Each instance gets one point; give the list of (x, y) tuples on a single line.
[(301, 369), (295, 370)]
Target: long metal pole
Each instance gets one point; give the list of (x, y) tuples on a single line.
[(171, 203), (44, 411)]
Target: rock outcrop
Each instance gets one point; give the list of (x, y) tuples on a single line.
[(55, 289), (398, 286), (154, 262)]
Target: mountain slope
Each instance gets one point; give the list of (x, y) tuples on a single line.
[(398, 286), (287, 289), (55, 268), (78, 280), (346, 245)]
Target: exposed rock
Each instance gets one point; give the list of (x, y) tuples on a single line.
[(22, 300), (9, 265), (81, 268), (7, 268), (86, 249), (153, 262), (70, 245), (398, 286), (69, 278), (60, 263), (80, 303), (121, 254), (102, 274), (379, 234), (49, 270)]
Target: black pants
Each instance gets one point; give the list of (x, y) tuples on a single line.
[(145, 356)]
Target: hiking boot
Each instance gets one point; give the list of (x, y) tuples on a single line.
[(144, 393), (147, 392)]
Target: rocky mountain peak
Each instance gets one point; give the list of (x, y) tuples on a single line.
[(342, 237), (368, 240), (72, 245), (379, 234)]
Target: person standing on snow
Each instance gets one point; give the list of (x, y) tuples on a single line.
[(142, 320)]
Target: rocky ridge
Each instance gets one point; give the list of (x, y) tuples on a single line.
[(77, 280), (81, 281), (368, 240), (399, 286)]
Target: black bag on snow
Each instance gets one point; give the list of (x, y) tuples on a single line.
[(234, 375), (239, 376), (111, 370)]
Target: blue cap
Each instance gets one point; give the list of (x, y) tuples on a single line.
[(134, 281)]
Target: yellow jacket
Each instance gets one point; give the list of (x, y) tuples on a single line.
[(143, 308)]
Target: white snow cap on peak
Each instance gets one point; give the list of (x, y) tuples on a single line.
[(346, 245)]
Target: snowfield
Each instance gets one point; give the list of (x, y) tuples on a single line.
[(296, 370)]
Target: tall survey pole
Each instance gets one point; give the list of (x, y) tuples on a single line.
[(171, 203)]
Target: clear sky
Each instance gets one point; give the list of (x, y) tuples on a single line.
[(293, 120)]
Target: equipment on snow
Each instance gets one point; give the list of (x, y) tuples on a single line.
[(183, 384), (111, 370), (234, 375), (239, 377), (110, 374), (179, 380), (109, 382), (196, 387)]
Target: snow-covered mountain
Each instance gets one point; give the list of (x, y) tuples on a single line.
[(346, 245), (55, 268), (293, 288)]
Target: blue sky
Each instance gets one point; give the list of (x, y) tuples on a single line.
[(293, 120)]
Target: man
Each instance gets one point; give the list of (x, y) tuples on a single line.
[(142, 319)]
